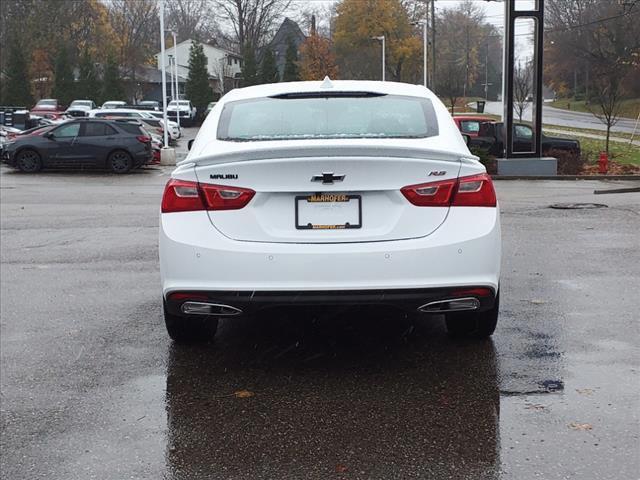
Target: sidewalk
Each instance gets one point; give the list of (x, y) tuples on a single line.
[(591, 135)]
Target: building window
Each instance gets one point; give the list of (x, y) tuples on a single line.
[(235, 61), (229, 61)]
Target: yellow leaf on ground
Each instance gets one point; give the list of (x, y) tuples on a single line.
[(580, 426), (243, 394)]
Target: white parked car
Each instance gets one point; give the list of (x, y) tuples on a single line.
[(182, 109), (329, 193), (80, 108), (174, 130), (113, 104)]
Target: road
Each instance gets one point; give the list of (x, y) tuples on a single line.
[(92, 388), (568, 119)]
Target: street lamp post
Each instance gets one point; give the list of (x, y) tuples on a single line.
[(381, 38), (424, 50), (173, 90), (164, 76), (175, 65)]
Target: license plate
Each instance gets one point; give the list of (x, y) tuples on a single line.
[(328, 211)]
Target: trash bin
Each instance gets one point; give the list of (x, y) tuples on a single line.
[(480, 106)]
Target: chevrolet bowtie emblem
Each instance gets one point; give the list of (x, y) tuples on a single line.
[(327, 178)]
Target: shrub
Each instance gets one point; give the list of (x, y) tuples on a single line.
[(568, 163), (487, 160)]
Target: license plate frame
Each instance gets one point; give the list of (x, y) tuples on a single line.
[(319, 198)]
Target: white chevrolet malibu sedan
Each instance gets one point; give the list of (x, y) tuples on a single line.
[(329, 193)]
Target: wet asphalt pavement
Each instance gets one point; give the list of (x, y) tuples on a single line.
[(92, 388)]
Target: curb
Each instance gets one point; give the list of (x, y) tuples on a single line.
[(565, 177)]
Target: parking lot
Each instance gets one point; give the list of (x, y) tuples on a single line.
[(93, 388)]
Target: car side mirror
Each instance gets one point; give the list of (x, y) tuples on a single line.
[(189, 144)]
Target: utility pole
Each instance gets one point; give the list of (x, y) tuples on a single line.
[(433, 45), (424, 52), (175, 59), (173, 85), (164, 75)]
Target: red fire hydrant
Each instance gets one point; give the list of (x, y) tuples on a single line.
[(603, 163)]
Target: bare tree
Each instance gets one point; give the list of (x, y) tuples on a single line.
[(252, 20), (522, 79), (136, 27), (192, 19), (608, 100)]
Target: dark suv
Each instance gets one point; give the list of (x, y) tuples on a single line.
[(116, 145)]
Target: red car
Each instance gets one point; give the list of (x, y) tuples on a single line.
[(48, 108), (470, 124)]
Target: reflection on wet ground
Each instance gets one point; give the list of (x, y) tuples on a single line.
[(355, 395)]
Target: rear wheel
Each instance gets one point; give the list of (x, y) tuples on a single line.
[(29, 161), (190, 329), (474, 324), (120, 162)]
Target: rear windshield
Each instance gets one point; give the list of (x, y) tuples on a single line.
[(339, 115), (131, 128), (46, 103)]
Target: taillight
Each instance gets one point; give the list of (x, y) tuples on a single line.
[(475, 191), (471, 191), (434, 194), (181, 196), (185, 196), (143, 139), (221, 197)]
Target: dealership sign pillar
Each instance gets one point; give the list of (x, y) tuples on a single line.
[(528, 17)]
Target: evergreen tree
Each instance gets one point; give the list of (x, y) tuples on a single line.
[(88, 82), (112, 88), (17, 87), (249, 67), (268, 69), (63, 84), (290, 73), (197, 86)]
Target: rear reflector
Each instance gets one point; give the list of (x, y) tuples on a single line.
[(186, 196), (471, 191)]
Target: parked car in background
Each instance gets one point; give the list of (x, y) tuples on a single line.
[(149, 105), (121, 113), (182, 109), (210, 107), (172, 125), (470, 124), (118, 146), (48, 108), (113, 104), (490, 138), (80, 108)]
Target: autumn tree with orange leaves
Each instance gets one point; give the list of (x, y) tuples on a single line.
[(316, 58), (357, 21)]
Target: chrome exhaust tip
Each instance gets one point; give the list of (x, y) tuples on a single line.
[(204, 308), (451, 305)]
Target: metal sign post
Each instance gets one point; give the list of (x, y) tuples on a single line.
[(511, 15)]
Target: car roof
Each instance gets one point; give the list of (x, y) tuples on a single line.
[(472, 117), (271, 89)]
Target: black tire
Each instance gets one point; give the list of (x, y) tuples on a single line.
[(472, 324), (119, 162), (190, 329), (28, 161)]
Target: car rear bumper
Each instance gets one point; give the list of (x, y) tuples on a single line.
[(410, 300), (463, 252)]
